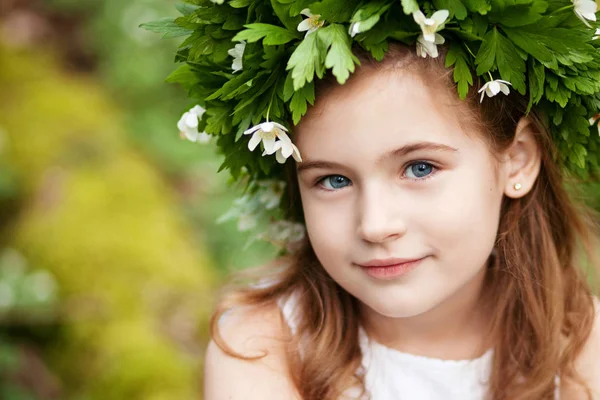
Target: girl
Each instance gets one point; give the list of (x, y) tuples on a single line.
[(441, 259), (444, 257)]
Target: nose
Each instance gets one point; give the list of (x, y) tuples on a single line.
[(381, 215)]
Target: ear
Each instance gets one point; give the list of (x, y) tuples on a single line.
[(523, 160)]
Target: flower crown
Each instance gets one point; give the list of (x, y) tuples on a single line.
[(250, 65)]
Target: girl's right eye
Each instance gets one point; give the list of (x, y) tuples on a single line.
[(333, 182)]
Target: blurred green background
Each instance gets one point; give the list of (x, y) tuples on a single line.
[(109, 250)]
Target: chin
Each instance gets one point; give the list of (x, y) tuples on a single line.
[(397, 308)]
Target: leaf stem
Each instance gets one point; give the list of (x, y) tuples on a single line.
[(469, 50), (562, 9)]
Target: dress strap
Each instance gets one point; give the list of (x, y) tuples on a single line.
[(557, 387)]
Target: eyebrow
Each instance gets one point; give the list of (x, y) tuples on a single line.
[(400, 152)]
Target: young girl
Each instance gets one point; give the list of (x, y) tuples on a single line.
[(444, 256)]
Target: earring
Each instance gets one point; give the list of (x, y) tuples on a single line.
[(518, 186)]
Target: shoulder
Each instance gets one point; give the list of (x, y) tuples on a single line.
[(587, 364), (252, 332)]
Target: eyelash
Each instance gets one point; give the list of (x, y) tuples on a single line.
[(435, 169)]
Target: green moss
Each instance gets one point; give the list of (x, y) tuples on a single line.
[(134, 288)]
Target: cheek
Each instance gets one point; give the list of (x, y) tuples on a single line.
[(328, 224), (467, 216)]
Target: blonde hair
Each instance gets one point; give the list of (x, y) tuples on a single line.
[(543, 303)]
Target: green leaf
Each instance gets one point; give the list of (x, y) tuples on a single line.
[(283, 13), (240, 3), (186, 8), (455, 7), (462, 73), (334, 11), (183, 74), (486, 56), (273, 35), (167, 26), (516, 13), (339, 57), (536, 82), (300, 100), (510, 64), (219, 120), (306, 60), (478, 6), (409, 6), (497, 50)]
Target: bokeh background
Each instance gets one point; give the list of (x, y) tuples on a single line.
[(109, 250)]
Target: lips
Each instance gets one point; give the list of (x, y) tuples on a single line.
[(390, 268), (388, 262)]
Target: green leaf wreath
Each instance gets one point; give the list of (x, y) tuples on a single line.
[(250, 65)]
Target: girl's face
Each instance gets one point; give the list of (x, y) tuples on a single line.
[(388, 173)]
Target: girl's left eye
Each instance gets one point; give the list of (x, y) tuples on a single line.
[(419, 170)]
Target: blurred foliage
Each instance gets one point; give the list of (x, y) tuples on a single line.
[(135, 290), (133, 64)]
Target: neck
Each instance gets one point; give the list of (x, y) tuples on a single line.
[(455, 329)]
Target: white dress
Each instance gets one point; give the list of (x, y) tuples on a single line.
[(395, 375)]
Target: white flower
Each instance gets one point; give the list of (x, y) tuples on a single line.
[(431, 25), (354, 29), (310, 24), (237, 52), (267, 132), (426, 48), (188, 125), (270, 192), (585, 10), (283, 149), (597, 34), (284, 232), (494, 87)]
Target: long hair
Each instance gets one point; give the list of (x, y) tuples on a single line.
[(543, 303)]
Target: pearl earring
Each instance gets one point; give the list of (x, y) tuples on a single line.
[(518, 186)]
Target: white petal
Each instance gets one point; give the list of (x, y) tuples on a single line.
[(284, 138), (501, 81), (354, 29), (254, 141), (306, 12), (281, 159), (304, 25), (296, 154), (181, 125), (192, 136), (504, 88), (440, 16), (199, 111), (482, 90), (191, 120), (429, 37), (439, 39), (286, 149), (419, 17), (267, 126), (237, 65), (269, 146), (278, 125), (203, 138), (252, 130)]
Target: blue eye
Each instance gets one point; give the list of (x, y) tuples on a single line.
[(419, 170), (333, 182)]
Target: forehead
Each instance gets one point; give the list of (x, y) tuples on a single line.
[(378, 110)]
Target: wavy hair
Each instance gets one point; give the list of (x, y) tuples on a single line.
[(538, 280)]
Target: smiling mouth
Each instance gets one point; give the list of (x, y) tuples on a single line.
[(390, 268)]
